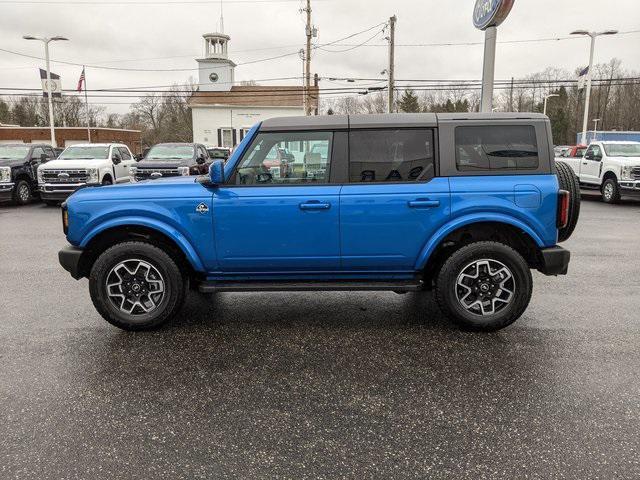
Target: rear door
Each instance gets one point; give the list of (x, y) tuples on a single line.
[(393, 201), (265, 221)]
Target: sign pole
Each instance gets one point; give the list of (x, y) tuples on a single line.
[(488, 69), (86, 105), (49, 94)]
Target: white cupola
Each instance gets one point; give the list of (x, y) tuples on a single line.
[(215, 69)]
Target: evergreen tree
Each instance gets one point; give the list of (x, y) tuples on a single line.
[(409, 102)]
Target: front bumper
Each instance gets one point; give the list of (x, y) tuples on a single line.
[(58, 191), (629, 187), (554, 261), (69, 258), (6, 191)]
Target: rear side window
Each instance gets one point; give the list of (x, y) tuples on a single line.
[(496, 147), (391, 155)]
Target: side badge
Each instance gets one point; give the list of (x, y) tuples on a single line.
[(202, 208)]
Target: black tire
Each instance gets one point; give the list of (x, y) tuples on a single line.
[(505, 311), (166, 270), (610, 191), (22, 192), (107, 181), (569, 182)]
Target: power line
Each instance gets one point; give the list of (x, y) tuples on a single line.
[(136, 2)]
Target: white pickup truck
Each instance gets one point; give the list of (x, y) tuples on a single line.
[(81, 165), (611, 167)]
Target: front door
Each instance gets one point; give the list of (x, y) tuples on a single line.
[(280, 220), (591, 164), (393, 203)]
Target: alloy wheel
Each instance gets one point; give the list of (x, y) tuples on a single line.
[(24, 193), (135, 287), (485, 287)]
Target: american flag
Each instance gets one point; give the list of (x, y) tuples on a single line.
[(81, 81)]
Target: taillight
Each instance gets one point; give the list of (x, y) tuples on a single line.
[(563, 208)]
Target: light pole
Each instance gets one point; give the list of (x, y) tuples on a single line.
[(46, 41), (544, 110), (595, 128), (593, 36)]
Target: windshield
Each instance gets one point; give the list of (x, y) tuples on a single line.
[(170, 152), (12, 152), (622, 149), (85, 153)]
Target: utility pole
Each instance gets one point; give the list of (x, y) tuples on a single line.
[(307, 72), (392, 42)]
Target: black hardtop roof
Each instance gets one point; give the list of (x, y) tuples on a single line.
[(385, 120)]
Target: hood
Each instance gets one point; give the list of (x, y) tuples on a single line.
[(151, 163), (11, 162), (627, 161), (74, 164)]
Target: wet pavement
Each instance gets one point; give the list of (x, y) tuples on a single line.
[(322, 385)]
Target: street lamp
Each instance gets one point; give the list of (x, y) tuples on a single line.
[(593, 36), (46, 41), (595, 128), (544, 110)]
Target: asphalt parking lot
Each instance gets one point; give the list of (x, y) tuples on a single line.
[(322, 385)]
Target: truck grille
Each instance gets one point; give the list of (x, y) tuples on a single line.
[(635, 173), (64, 176), (147, 173)]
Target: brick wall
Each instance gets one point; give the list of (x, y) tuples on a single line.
[(131, 138)]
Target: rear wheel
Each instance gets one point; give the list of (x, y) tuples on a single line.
[(22, 192), (569, 182), (484, 286), (610, 191), (136, 286)]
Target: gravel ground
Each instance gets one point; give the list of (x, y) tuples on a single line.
[(322, 385)]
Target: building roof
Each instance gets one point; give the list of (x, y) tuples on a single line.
[(256, 96)]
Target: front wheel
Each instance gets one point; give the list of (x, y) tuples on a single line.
[(22, 192), (484, 286), (610, 191), (136, 286)]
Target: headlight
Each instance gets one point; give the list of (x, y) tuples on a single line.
[(183, 171), (93, 175), (627, 173), (5, 174), (40, 175)]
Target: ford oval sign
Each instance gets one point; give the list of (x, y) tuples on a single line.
[(490, 13)]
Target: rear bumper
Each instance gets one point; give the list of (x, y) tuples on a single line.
[(554, 261), (69, 258)]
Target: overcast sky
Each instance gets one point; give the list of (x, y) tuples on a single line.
[(134, 36)]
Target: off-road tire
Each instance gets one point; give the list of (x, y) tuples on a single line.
[(569, 182), (22, 192), (610, 185), (175, 286), (446, 285)]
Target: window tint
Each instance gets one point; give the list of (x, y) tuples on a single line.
[(37, 152), (496, 147), (124, 153), (402, 155), (269, 160)]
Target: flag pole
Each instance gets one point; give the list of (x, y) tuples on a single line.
[(86, 104)]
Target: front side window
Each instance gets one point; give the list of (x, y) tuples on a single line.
[(496, 147), (390, 155), (124, 153), (269, 160), (37, 152), (85, 153), (593, 152), (622, 149)]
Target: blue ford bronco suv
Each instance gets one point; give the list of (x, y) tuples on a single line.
[(462, 204)]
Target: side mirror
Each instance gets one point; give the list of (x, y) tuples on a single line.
[(139, 157), (116, 159), (588, 156), (43, 157), (216, 172), (200, 160)]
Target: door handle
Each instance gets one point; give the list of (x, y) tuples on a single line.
[(585, 163), (423, 203), (314, 205)]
